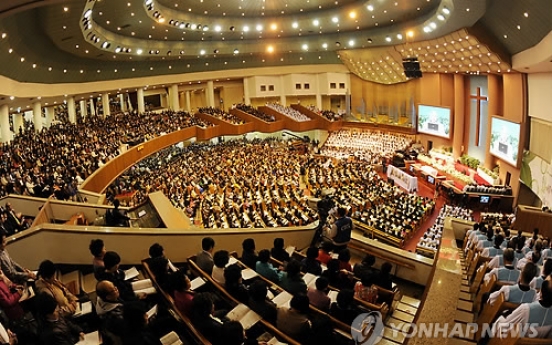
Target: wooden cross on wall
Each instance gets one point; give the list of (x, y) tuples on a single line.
[(478, 99)]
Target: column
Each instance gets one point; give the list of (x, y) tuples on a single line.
[(122, 103), (17, 122), (282, 91), (246, 96), (83, 109), (459, 116), (50, 113), (210, 94), (141, 105), (105, 104), (92, 107), (188, 102), (37, 116), (174, 100), (318, 94), (5, 123), (70, 110)]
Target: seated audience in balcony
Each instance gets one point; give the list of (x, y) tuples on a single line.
[(234, 283), (365, 290), (278, 252), (345, 309), (54, 328), (337, 278), (292, 281), (545, 272), (203, 318), (384, 279), (324, 253), (310, 264), (507, 273), (109, 308), (136, 329), (97, 249), (10, 294), (182, 294), (364, 267), (220, 259), (115, 275), (318, 295), (294, 321), (249, 255), (15, 272), (259, 303), (265, 268), (522, 291), (204, 259), (47, 283)]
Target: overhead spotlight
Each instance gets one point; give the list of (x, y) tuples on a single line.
[(171, 22), (446, 10), (205, 28), (193, 26), (370, 8), (245, 28), (335, 19), (148, 2), (88, 13), (232, 28), (270, 49), (169, 52), (305, 46), (236, 51), (106, 45), (294, 25), (273, 26), (315, 22), (410, 33), (216, 51), (440, 17), (181, 52), (259, 27), (217, 28), (199, 26), (338, 44), (325, 45), (427, 29), (187, 25), (97, 40), (369, 40), (351, 43), (139, 51), (388, 39), (433, 25), (399, 36), (202, 52), (118, 50), (182, 25)]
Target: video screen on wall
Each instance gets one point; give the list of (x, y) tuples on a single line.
[(505, 140), (434, 120)]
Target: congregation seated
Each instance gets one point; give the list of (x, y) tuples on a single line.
[(310, 263), (12, 221), (328, 114), (318, 295), (255, 112), (204, 320), (278, 252), (10, 294), (365, 145), (265, 268), (47, 283), (97, 249), (498, 190), (364, 268), (294, 321), (13, 271), (291, 280), (546, 270), (344, 309), (234, 283), (520, 292), (259, 303), (204, 258), (289, 112), (109, 308), (222, 115), (508, 273), (220, 260), (55, 328), (115, 275), (249, 255)]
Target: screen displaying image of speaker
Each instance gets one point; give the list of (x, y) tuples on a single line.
[(412, 68)]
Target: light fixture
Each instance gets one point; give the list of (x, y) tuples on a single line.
[(440, 17), (388, 39), (305, 46), (139, 51), (325, 45), (217, 28), (399, 36), (245, 28), (433, 25), (270, 49), (351, 43), (370, 8), (446, 10), (335, 19), (202, 52), (352, 14), (294, 25), (273, 26), (236, 51), (315, 22)]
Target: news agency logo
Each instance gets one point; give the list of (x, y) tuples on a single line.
[(367, 328)]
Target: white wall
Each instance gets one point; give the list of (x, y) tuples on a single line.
[(540, 95)]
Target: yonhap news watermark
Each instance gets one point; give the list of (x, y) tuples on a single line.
[(369, 329)]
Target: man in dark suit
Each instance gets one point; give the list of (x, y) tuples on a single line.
[(204, 259)]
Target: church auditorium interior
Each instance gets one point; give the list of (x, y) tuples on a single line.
[(275, 172)]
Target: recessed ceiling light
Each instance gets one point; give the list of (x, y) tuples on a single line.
[(388, 39), (526, 14), (4, 35), (315, 22), (294, 25), (335, 19), (410, 33), (259, 27), (270, 49), (352, 14), (433, 25), (245, 28), (65, 9), (440, 17), (370, 8), (325, 45), (446, 10), (236, 51), (139, 51), (305, 46), (351, 43), (399, 36), (202, 52), (273, 26), (217, 28)]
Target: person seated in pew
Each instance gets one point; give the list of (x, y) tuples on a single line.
[(10, 294), (136, 328), (522, 291), (109, 308), (47, 283), (115, 275), (234, 283), (339, 279), (54, 328), (545, 272), (519, 250), (534, 257), (15, 272), (294, 321), (365, 266), (259, 303), (97, 249), (278, 252), (204, 318), (204, 259), (344, 258), (249, 255), (292, 281), (220, 260), (318, 296), (159, 266), (488, 242), (537, 314), (310, 264), (498, 260), (234, 334), (344, 309), (366, 290), (265, 268), (384, 278), (497, 249), (324, 253), (508, 273), (182, 294)]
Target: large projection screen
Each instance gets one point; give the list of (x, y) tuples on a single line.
[(505, 140), (434, 120)]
